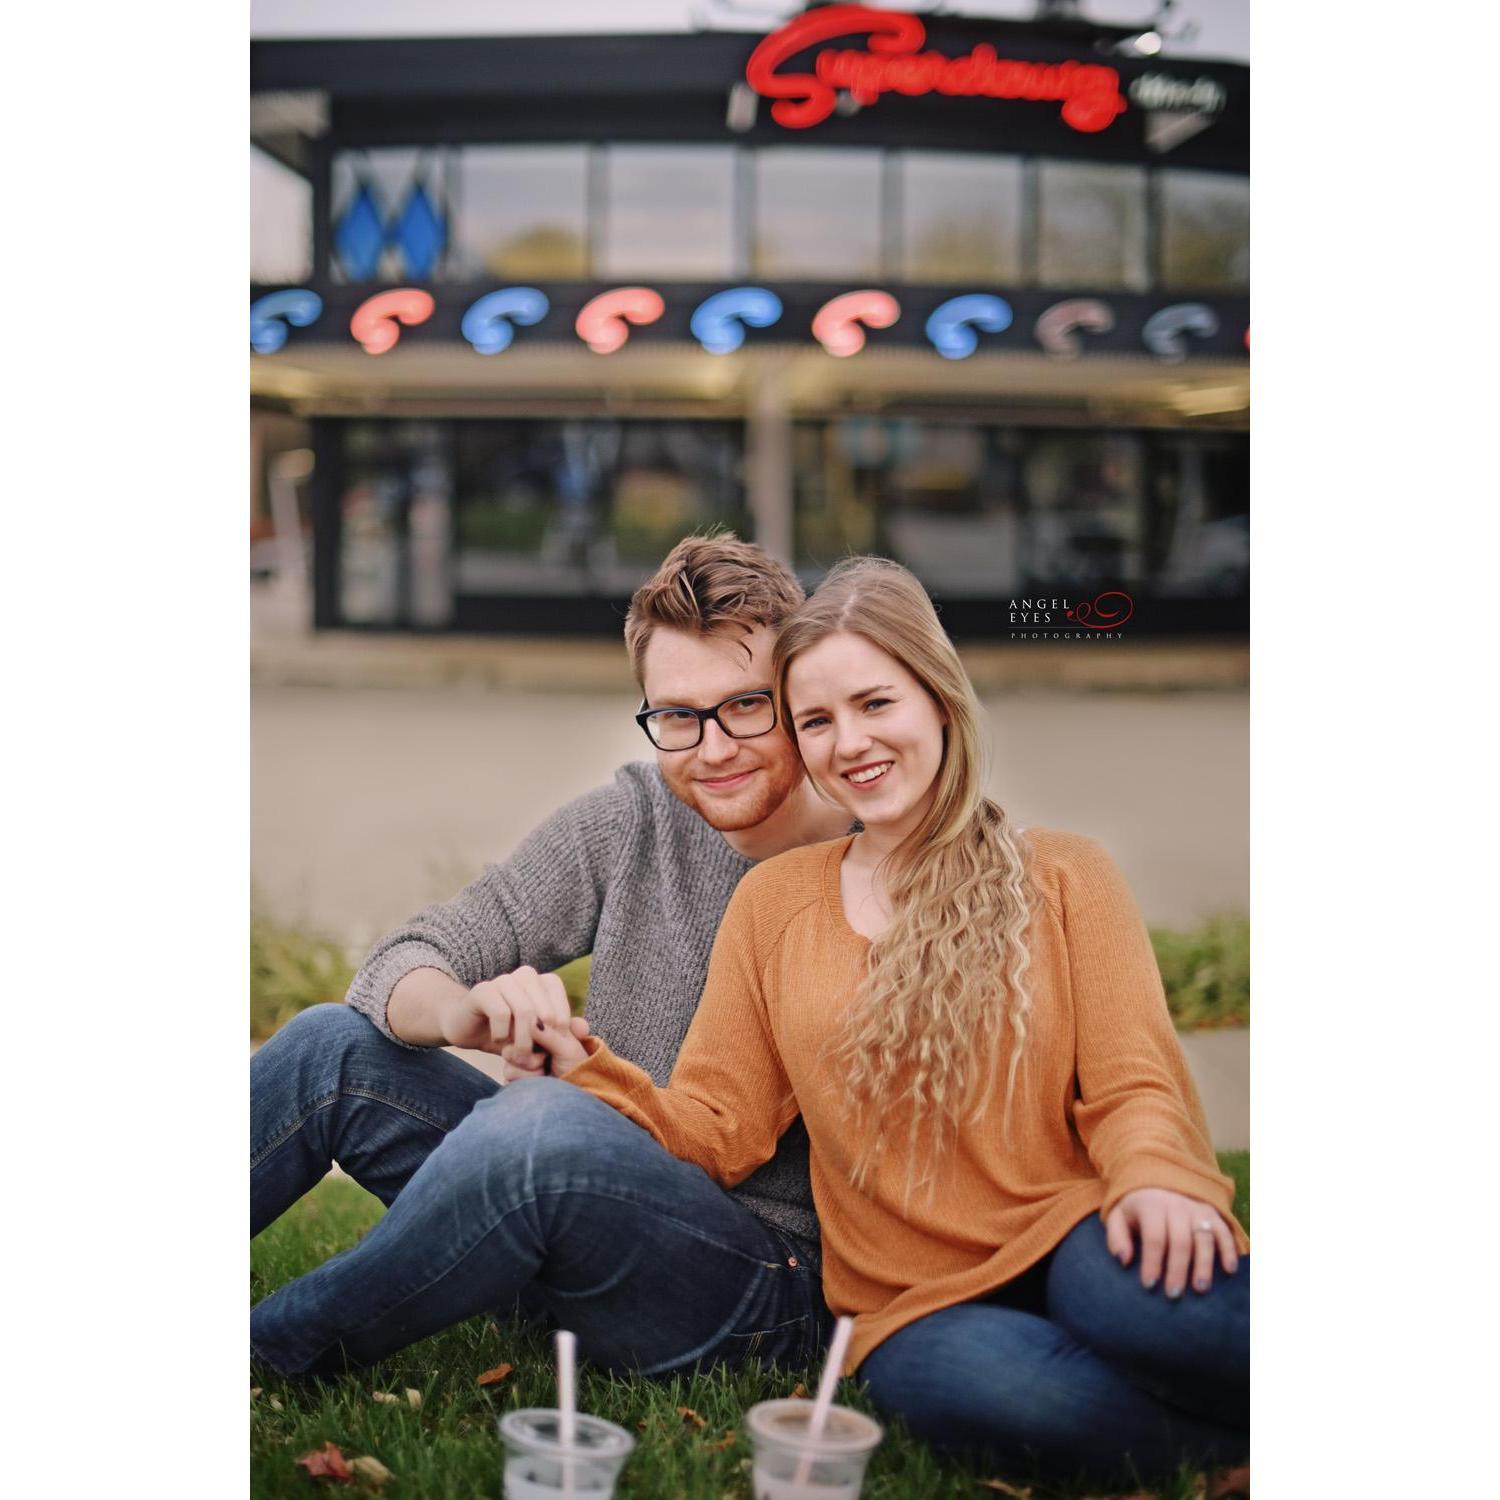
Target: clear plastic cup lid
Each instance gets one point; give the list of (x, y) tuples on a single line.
[(785, 1422), (536, 1429)]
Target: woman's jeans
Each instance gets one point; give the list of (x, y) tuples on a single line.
[(1075, 1365), (536, 1194)]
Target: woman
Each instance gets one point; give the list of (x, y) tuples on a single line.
[(971, 1023)]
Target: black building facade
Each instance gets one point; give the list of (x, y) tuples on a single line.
[(972, 294)]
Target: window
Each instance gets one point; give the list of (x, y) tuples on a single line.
[(1092, 232), (1086, 510), (394, 524), (587, 506), (280, 221), (817, 214), (521, 212), (960, 217), (668, 212), (390, 214), (1201, 515), (1205, 231)]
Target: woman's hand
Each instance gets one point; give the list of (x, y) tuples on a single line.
[(502, 1015), (1181, 1231), (563, 1044)]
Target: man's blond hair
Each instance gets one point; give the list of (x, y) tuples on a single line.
[(708, 584)]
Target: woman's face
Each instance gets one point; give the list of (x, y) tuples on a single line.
[(869, 734)]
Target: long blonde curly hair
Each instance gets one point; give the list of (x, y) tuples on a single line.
[(950, 969)]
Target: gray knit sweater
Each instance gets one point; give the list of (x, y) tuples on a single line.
[(628, 873)]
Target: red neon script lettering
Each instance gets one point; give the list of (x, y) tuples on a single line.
[(1089, 92)]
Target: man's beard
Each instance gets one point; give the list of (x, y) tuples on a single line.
[(761, 801)]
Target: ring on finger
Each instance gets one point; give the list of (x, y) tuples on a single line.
[(1203, 1226)]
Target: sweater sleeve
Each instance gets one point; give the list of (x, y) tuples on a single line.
[(539, 907), (1138, 1112), (728, 1100)]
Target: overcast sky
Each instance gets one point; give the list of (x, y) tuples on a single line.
[(1223, 26)]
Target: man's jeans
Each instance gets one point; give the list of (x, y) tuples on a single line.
[(536, 1190), (1074, 1365)]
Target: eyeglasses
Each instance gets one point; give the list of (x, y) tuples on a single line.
[(746, 716)]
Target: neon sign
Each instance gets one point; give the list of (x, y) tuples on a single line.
[(894, 64), (376, 323), (836, 325), (951, 327), (720, 321), (298, 306), (1056, 329), (604, 323), (488, 324)]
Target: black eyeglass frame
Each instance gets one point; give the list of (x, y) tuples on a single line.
[(704, 714)]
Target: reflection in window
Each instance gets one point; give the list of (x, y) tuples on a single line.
[(945, 500), (394, 523), (1205, 231), (390, 214), (668, 211), (817, 213), (280, 221), (522, 211), (1085, 524), (1201, 515), (1092, 229), (961, 217), (587, 506)]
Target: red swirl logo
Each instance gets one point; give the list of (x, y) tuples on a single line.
[(1105, 611)]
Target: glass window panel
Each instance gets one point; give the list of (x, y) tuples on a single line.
[(668, 212), (1085, 523), (960, 217), (394, 528), (280, 221), (1201, 515), (817, 213), (390, 215), (1205, 231), (521, 211), (1092, 231), (945, 499), (587, 506)]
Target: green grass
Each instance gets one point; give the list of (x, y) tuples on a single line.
[(1206, 973), (448, 1449)]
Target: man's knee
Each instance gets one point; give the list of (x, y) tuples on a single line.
[(561, 1134)]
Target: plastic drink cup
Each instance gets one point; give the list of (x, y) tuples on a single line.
[(791, 1464), (538, 1466)]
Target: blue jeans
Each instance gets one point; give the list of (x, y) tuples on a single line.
[(536, 1192), (1074, 1366)]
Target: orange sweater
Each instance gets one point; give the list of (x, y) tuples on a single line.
[(1104, 1102)]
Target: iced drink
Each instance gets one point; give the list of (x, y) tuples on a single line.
[(539, 1467), (790, 1464)]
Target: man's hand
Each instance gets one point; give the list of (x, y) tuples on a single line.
[(502, 1015), (1180, 1231)]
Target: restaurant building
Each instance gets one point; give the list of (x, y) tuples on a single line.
[(969, 293)]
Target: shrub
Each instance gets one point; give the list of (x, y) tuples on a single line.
[(1206, 972)]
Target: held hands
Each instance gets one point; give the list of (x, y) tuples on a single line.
[(1171, 1227), (564, 1045), (506, 1015)]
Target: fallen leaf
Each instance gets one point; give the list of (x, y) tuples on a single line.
[(642, 1425), (385, 1398), (414, 1399), (725, 1442), (495, 1376), (1229, 1482), (1002, 1488), (274, 1402), (371, 1469), (254, 1391), (691, 1417), (799, 1393), (1199, 1490), (327, 1463)]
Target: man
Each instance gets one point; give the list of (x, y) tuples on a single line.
[(536, 1192)]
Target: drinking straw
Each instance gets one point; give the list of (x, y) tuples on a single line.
[(833, 1368), (567, 1427)]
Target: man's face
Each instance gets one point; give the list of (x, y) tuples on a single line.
[(731, 784)]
